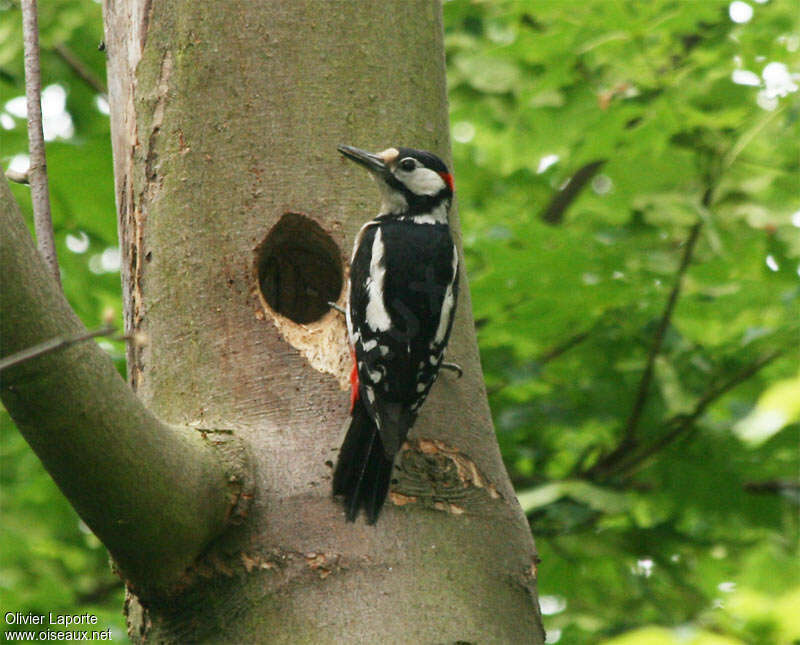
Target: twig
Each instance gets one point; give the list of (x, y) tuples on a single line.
[(562, 348), (554, 352), (774, 486), (81, 69), (580, 463), (336, 307), (554, 213), (51, 345), (684, 422), (628, 441), (658, 339), (37, 173), (17, 177), (100, 592)]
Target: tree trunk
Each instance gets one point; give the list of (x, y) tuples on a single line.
[(109, 455), (236, 221)]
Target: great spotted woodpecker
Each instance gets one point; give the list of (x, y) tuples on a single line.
[(401, 303)]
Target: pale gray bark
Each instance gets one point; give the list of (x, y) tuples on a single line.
[(155, 495), (37, 173), (226, 117)]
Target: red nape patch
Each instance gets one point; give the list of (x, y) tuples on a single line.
[(353, 383), (448, 179)]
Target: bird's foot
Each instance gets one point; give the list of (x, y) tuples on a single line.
[(453, 367)]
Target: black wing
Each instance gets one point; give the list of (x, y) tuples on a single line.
[(399, 342)]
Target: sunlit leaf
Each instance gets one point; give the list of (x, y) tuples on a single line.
[(777, 407)]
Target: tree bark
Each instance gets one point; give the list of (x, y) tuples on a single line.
[(236, 220), (155, 495), (37, 173)]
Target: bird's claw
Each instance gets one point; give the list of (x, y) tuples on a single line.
[(453, 367)]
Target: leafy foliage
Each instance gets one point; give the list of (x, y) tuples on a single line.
[(590, 141)]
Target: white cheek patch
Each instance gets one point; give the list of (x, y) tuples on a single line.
[(423, 181)]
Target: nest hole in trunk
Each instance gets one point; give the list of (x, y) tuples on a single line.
[(299, 269)]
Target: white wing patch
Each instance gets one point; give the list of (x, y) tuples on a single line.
[(376, 315), (354, 335), (357, 242), (447, 304)]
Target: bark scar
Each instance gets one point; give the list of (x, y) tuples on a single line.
[(162, 91), (440, 477), (239, 474), (323, 564), (151, 184)]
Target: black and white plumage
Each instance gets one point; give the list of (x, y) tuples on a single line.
[(402, 297)]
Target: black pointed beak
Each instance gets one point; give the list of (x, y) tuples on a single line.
[(370, 161)]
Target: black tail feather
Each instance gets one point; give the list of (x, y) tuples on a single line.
[(363, 472)]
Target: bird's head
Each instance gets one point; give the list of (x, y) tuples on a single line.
[(411, 182)]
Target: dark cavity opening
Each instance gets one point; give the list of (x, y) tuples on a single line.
[(299, 269)]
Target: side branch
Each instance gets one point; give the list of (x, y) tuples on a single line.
[(658, 339), (81, 69), (681, 424), (555, 210), (37, 174), (563, 347), (154, 494), (678, 426), (51, 345), (629, 435)]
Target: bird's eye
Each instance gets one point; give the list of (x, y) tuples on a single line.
[(408, 164)]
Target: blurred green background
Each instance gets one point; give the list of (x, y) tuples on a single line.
[(597, 145)]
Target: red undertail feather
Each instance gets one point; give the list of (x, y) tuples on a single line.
[(353, 382)]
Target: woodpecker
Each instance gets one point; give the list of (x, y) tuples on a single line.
[(401, 301)]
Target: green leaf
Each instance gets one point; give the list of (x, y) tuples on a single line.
[(595, 497), (488, 74), (777, 407)]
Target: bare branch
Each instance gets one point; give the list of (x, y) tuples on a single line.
[(628, 441), (81, 69), (556, 351), (563, 347), (51, 345), (37, 174), (682, 423), (786, 487), (554, 213), (658, 339)]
